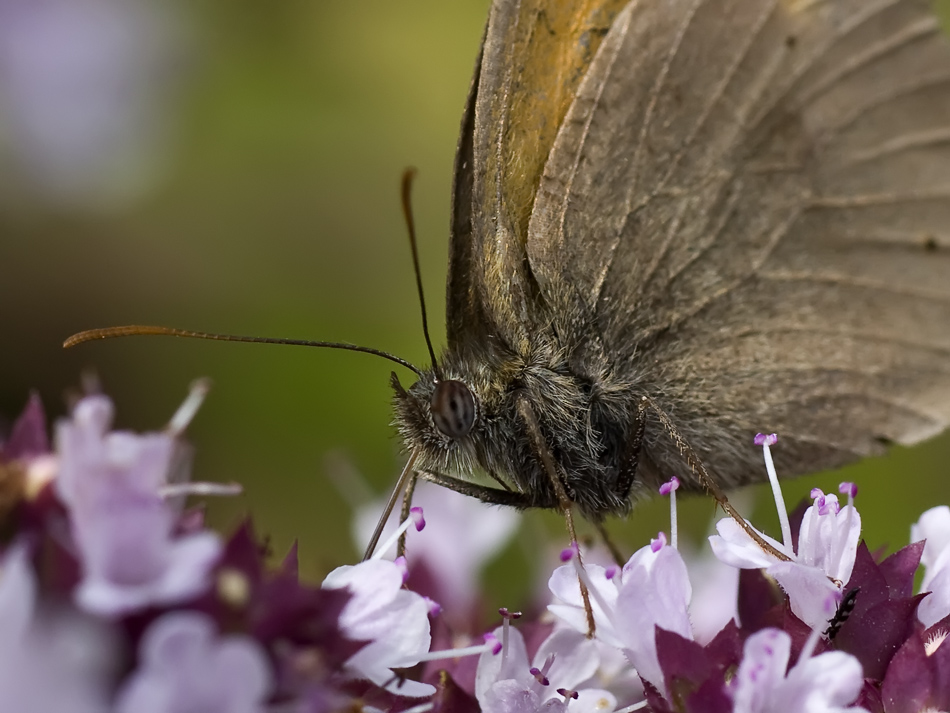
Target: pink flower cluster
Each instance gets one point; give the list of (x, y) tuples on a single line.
[(115, 598)]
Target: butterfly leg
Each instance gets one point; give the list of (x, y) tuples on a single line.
[(406, 507), (492, 496), (696, 465), (566, 504), (609, 542), (401, 484), (631, 460)]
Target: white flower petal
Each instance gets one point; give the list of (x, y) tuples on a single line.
[(717, 596), (576, 658), (17, 595), (808, 592), (510, 664), (655, 592), (761, 671), (734, 547), (509, 696), (593, 700), (569, 607), (394, 621), (934, 527), (462, 534), (827, 682), (936, 605)]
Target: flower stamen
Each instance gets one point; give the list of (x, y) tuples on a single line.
[(539, 676), (765, 441), (492, 644), (415, 518), (635, 707), (189, 407), (172, 490), (568, 694), (670, 489)]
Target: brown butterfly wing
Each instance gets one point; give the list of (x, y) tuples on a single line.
[(465, 314), (534, 55), (749, 200)]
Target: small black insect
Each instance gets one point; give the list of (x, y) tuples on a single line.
[(845, 607)]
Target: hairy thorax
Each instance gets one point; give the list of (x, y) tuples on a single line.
[(585, 425)]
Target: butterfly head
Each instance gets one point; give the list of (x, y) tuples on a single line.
[(439, 419)]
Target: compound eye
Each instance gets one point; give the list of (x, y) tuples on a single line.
[(453, 408)]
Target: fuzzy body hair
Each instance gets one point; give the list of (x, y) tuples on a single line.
[(586, 416)]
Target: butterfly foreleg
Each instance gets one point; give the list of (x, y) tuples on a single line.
[(609, 542), (566, 504), (631, 456), (707, 481), (406, 507), (491, 496)]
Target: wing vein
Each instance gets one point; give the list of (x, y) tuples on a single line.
[(575, 163), (922, 29), (718, 93), (840, 333), (865, 200), (900, 143), (851, 281), (846, 27)]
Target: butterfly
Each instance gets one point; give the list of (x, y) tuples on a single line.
[(676, 224)]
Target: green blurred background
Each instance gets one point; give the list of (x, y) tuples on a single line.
[(264, 201)]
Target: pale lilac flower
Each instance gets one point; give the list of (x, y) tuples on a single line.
[(17, 596), (652, 590), (934, 527), (569, 607), (715, 594), (827, 544), (395, 622), (507, 681), (827, 683), (111, 484), (185, 666), (463, 535), (95, 461), (130, 557), (655, 593), (614, 674), (50, 660)]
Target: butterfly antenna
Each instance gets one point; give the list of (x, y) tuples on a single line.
[(143, 330), (407, 177)]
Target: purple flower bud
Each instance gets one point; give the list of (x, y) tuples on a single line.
[(490, 638), (403, 566), (434, 607), (538, 676), (568, 553), (417, 518), (670, 486)]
